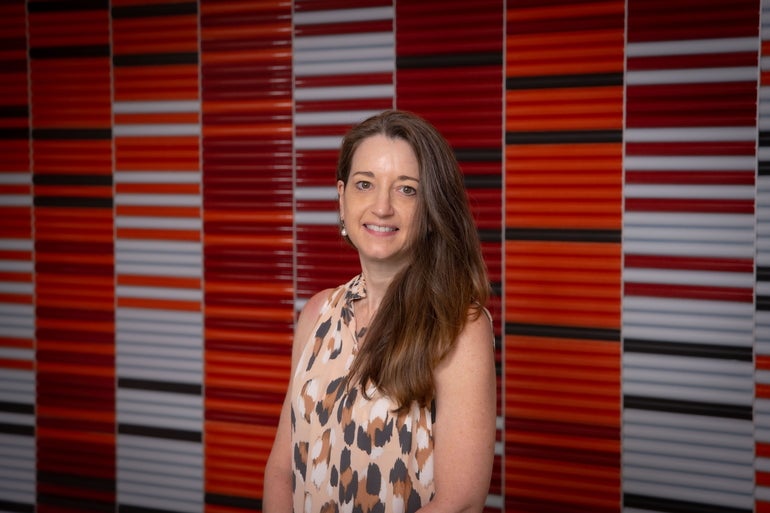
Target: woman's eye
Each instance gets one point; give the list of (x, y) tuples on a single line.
[(409, 190), (364, 185)]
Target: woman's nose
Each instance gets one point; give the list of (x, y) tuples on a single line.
[(383, 205)]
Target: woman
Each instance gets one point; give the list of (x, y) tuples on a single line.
[(391, 406)]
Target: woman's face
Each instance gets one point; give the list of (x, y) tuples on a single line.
[(379, 201)]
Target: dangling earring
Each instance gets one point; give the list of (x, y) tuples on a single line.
[(343, 231)]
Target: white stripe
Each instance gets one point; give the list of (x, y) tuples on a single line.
[(316, 218), (349, 44), (188, 271), (185, 200), (343, 15), (155, 107), (159, 129), (168, 353), (744, 192), (692, 76), (344, 92), (316, 193), (170, 177), (140, 371), (16, 200), (180, 223), (674, 248), (688, 234), (16, 244), (20, 178), (692, 47), (683, 277), (679, 320), (345, 68), (158, 293), (687, 336), (17, 266), (175, 318), (329, 142), (10, 287), (11, 353), (142, 326), (134, 256), (732, 221), (689, 163), (703, 134), (176, 247), (332, 117), (125, 338)]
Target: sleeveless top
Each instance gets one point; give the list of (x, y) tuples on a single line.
[(350, 453)]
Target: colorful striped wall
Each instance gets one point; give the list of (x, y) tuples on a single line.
[(167, 206)]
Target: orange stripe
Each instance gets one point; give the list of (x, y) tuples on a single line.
[(254, 313), (155, 118), (261, 241), (160, 304), (259, 288), (159, 211), (223, 335), (159, 188)]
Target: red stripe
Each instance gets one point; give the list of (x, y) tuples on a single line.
[(687, 148), (735, 294), (691, 177), (709, 60), (706, 206), (740, 265)]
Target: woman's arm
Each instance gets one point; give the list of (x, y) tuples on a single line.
[(465, 428), (277, 491)]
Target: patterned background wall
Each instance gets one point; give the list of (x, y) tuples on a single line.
[(167, 204)]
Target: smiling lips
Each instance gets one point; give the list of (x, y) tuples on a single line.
[(378, 228)]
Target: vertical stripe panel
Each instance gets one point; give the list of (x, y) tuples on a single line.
[(563, 201), (158, 253), (450, 72), (17, 311), (762, 276), (344, 59), (688, 315), (248, 264), (74, 263)]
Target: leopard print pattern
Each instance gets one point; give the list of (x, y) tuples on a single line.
[(352, 454)]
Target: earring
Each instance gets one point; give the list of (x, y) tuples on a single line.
[(343, 231)]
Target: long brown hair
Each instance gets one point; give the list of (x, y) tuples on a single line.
[(428, 303)]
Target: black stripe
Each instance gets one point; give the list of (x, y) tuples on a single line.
[(478, 155), (156, 59), (151, 11), (16, 429), (576, 332), (76, 202), (74, 503), (246, 503), (763, 169), (728, 411), (124, 508), (15, 65), (460, 60), (76, 480), (763, 273), (160, 386), (558, 81), (21, 408), (610, 236), (68, 52), (490, 236), (71, 134), (69, 5), (16, 507), (483, 181), (96, 180), (764, 138), (156, 432), (664, 505), (9, 134), (762, 303), (566, 136), (14, 111), (743, 354)]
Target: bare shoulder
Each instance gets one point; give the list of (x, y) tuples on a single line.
[(474, 348), (309, 315)]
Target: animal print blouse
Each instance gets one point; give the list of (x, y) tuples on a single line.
[(352, 454)]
